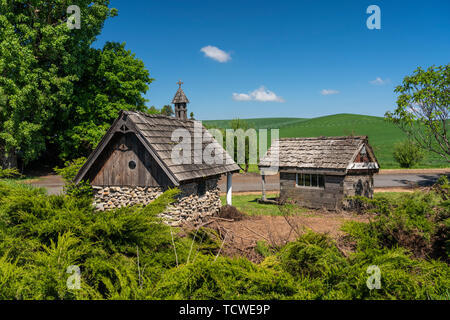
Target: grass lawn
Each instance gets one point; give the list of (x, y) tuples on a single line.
[(382, 135), (392, 197), (248, 205)]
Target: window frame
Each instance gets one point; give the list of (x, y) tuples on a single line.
[(312, 184)]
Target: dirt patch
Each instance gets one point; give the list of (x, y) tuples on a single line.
[(241, 237), (415, 171), (395, 189), (230, 212), (375, 190)]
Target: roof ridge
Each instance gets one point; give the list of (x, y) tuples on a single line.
[(156, 115)]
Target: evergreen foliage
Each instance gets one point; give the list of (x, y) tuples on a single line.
[(129, 254)]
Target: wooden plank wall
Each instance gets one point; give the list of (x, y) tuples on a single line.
[(112, 166)]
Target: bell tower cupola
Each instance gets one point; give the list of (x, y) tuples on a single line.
[(180, 101)]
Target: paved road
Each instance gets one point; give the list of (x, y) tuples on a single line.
[(252, 182)]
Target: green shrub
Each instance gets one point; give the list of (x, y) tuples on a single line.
[(68, 174), (408, 154), (312, 255), (224, 278), (402, 277), (129, 254), (42, 235), (9, 173), (263, 248), (415, 221), (442, 180)]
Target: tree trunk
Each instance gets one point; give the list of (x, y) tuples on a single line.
[(9, 159)]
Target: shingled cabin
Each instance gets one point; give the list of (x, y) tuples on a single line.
[(320, 172), (133, 164)]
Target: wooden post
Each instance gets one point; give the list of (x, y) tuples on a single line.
[(263, 181), (229, 188)]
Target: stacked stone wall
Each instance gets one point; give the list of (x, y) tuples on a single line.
[(193, 204)]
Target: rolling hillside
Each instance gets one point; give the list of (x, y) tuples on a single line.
[(258, 123), (382, 135)]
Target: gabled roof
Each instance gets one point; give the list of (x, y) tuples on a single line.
[(317, 153), (155, 133), (180, 97)]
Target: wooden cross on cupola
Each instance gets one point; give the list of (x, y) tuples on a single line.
[(179, 83)]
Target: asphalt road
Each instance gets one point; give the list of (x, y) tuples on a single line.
[(252, 181)]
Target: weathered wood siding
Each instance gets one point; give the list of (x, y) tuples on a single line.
[(112, 166), (329, 197)]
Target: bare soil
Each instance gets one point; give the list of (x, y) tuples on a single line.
[(240, 237), (415, 171), (395, 189)]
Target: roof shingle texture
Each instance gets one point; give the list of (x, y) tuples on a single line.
[(180, 97), (317, 153), (158, 129)]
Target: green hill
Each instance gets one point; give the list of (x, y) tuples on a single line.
[(382, 135), (258, 123)]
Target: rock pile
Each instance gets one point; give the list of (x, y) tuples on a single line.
[(190, 205)]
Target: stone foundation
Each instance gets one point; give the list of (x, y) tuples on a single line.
[(192, 204)]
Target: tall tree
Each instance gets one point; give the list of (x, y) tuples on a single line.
[(167, 110), (423, 108), (237, 124), (114, 80), (153, 110), (54, 88)]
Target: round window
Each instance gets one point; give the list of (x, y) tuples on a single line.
[(132, 164)]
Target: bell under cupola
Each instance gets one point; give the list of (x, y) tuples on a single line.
[(180, 101)]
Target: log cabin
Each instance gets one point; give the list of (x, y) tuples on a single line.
[(320, 172), (134, 164)]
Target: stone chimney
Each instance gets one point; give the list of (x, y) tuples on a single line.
[(180, 101)]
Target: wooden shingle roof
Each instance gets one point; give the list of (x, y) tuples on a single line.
[(316, 153), (180, 97), (155, 132)]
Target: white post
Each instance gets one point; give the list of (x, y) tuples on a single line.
[(229, 188), (263, 181)]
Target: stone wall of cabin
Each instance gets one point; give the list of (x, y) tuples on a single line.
[(189, 207), (359, 184), (330, 197)]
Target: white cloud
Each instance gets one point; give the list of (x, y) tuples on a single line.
[(216, 54), (241, 97), (379, 82), (326, 92), (261, 94)]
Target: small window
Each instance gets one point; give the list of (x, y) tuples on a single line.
[(132, 164), (307, 180), (321, 181), (310, 180), (201, 189)]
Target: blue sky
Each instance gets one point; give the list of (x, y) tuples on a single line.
[(315, 57)]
